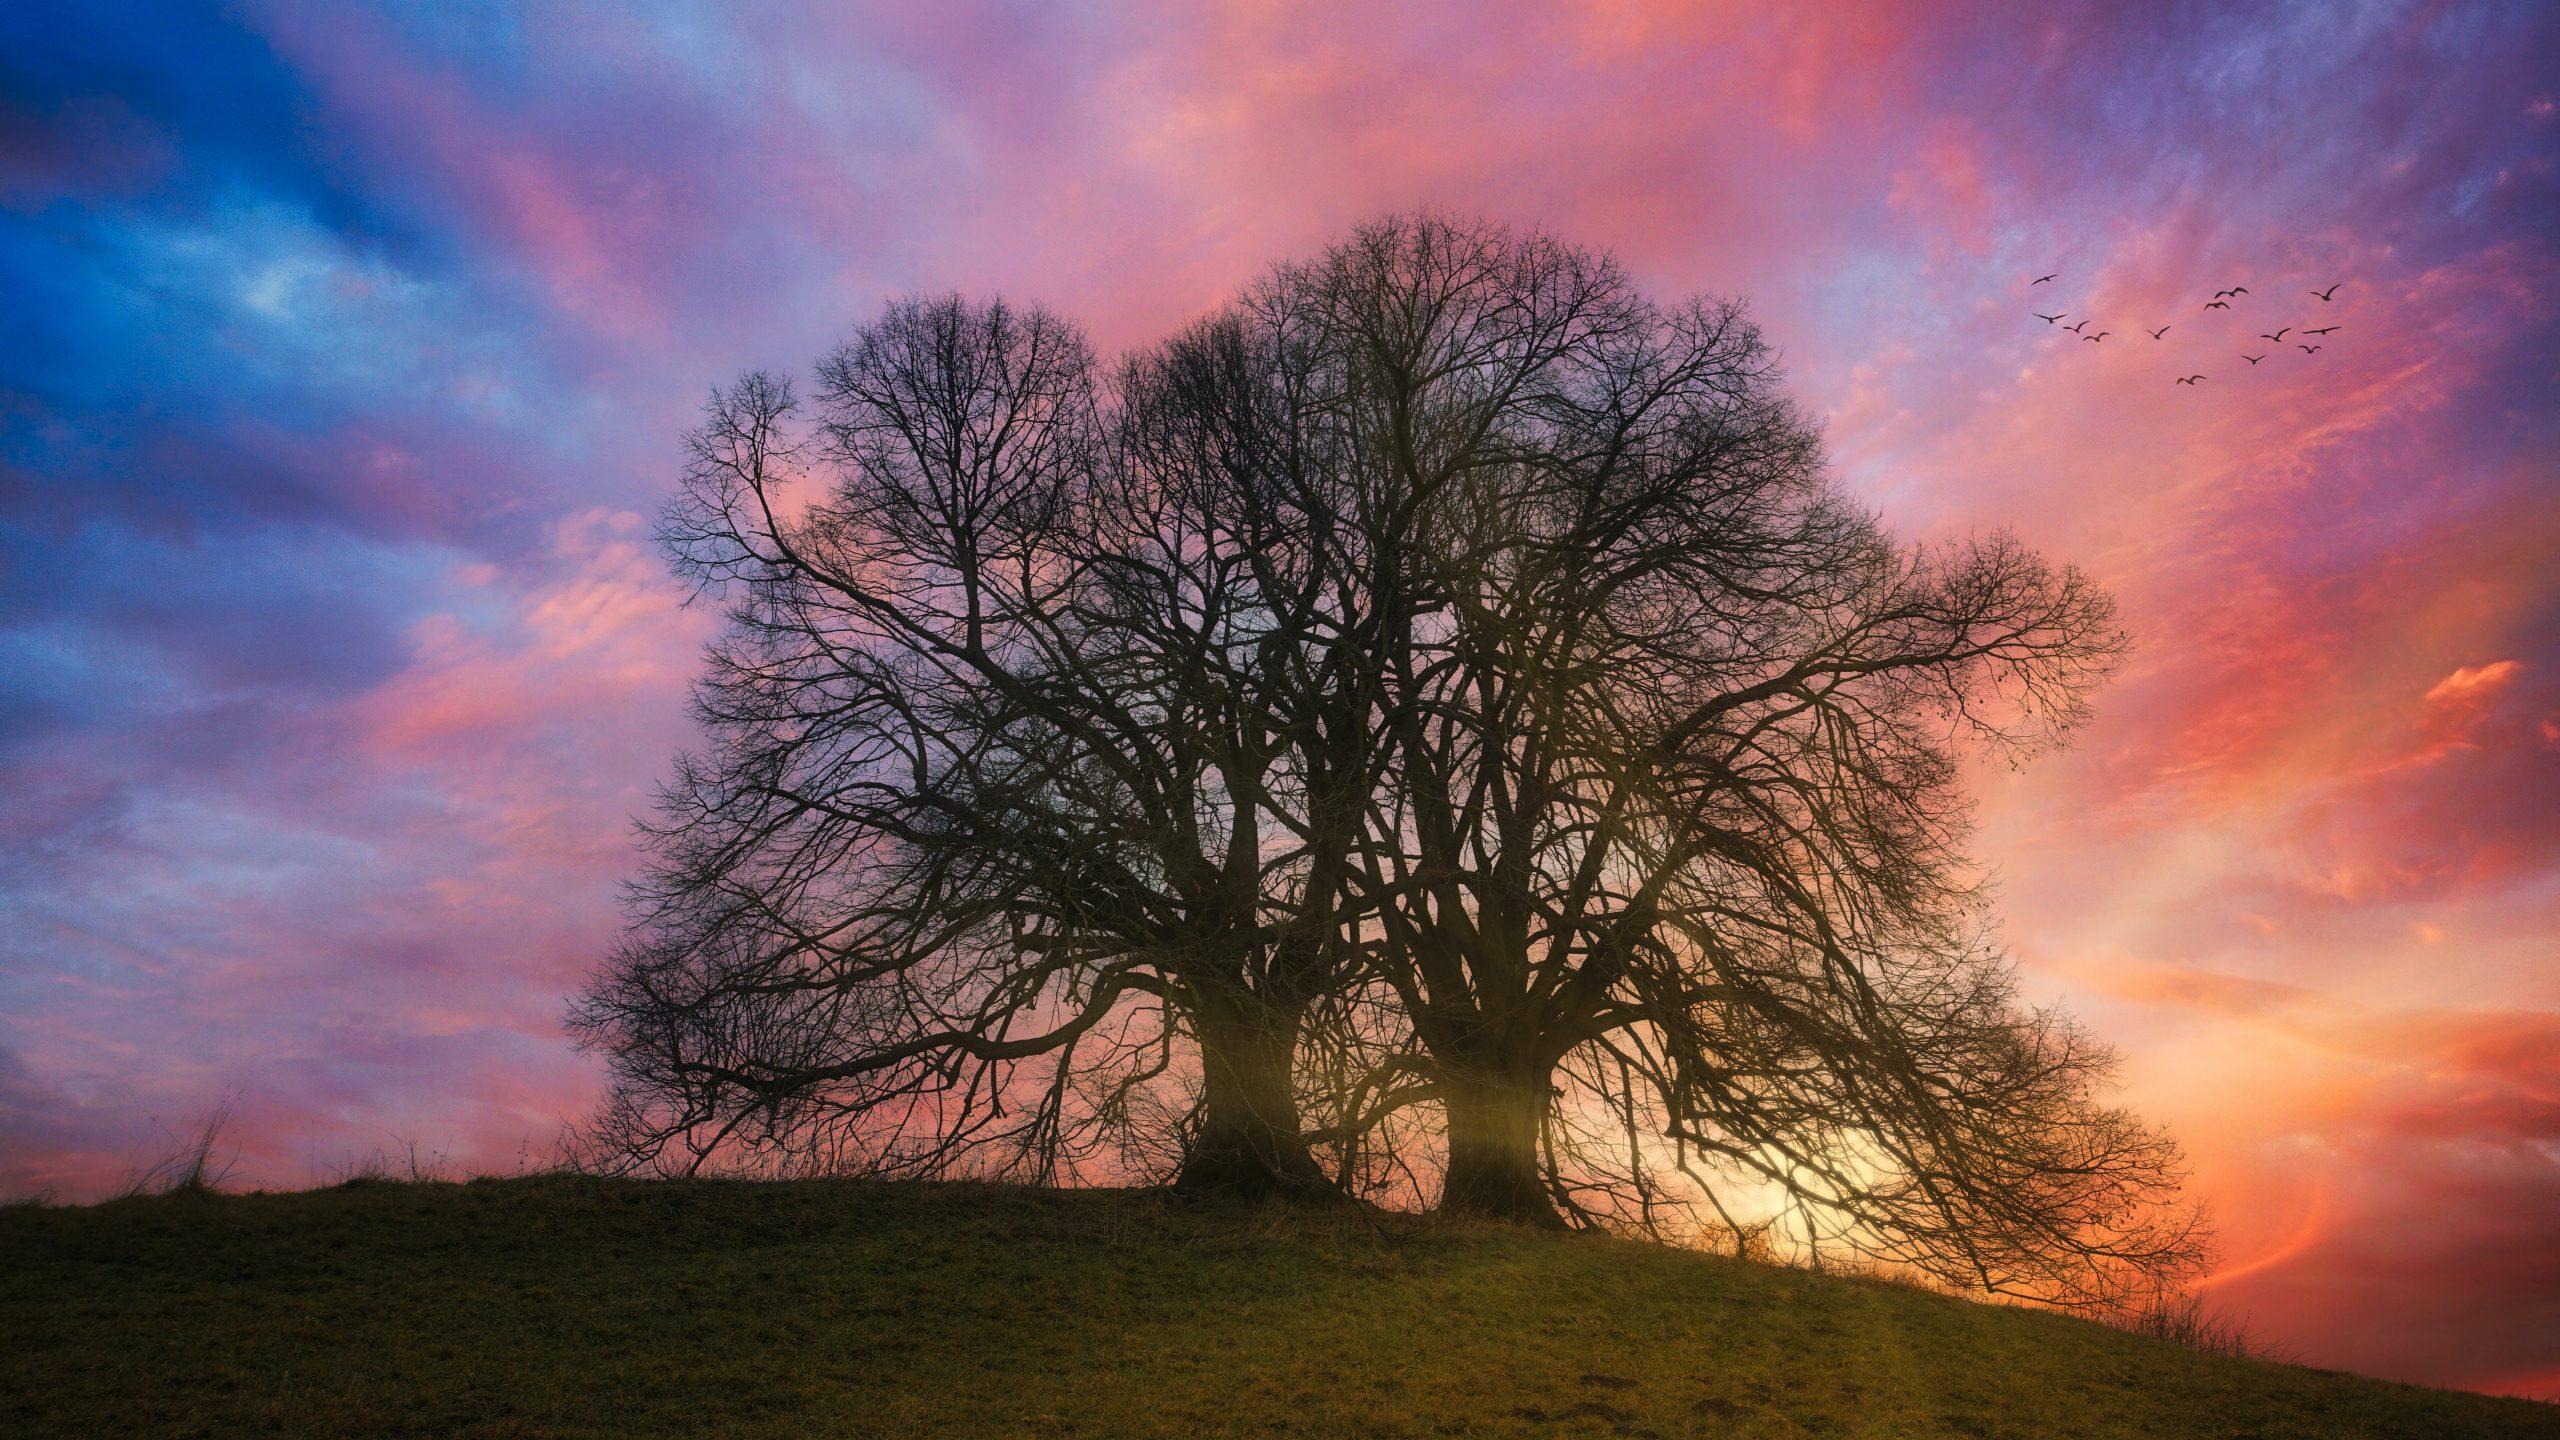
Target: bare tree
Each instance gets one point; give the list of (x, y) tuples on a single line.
[(988, 818), (1436, 718), (1668, 806)]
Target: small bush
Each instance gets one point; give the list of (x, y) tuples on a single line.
[(2182, 1317)]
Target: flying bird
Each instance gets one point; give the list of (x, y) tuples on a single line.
[(2325, 329), (2190, 380), (2218, 305), (2332, 290), (2278, 337), (2101, 335), (2253, 359), (2043, 278), (2234, 290), (2308, 349), (2163, 330), (2052, 319), (2074, 329)]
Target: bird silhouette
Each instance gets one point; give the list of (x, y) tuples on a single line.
[(2234, 290), (2101, 335), (2239, 289), (2052, 319), (2325, 329), (2043, 278), (2308, 349), (2332, 290), (2278, 337), (2253, 359), (2190, 380), (2075, 329), (2163, 330), (2218, 305)]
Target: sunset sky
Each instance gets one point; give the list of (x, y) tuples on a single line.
[(343, 353)]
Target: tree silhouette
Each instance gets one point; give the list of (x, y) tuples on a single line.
[(1440, 708), (986, 785)]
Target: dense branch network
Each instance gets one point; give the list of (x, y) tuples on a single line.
[(1434, 723)]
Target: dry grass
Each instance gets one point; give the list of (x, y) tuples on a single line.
[(2183, 1317), (197, 1165), (400, 1161)]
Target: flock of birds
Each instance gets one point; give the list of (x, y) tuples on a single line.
[(2221, 301)]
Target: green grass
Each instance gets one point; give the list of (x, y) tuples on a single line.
[(570, 1307)]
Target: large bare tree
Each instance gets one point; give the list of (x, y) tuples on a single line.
[(1438, 709), (1667, 823), (986, 818)]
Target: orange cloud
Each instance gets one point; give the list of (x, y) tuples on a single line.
[(2472, 684)]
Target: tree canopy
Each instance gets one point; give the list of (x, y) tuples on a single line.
[(1432, 728)]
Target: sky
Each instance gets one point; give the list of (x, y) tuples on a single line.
[(344, 350)]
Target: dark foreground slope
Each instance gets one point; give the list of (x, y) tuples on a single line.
[(577, 1307)]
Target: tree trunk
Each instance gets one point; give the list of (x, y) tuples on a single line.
[(1249, 1143), (1494, 1120)]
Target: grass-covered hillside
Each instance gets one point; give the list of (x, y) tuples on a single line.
[(591, 1308)]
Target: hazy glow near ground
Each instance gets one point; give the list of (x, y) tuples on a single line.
[(347, 351)]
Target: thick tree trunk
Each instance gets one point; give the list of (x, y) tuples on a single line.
[(1249, 1143), (1494, 1120)]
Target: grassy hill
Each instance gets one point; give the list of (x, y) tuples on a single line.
[(565, 1307)]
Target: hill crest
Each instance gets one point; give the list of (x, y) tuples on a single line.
[(581, 1307)]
